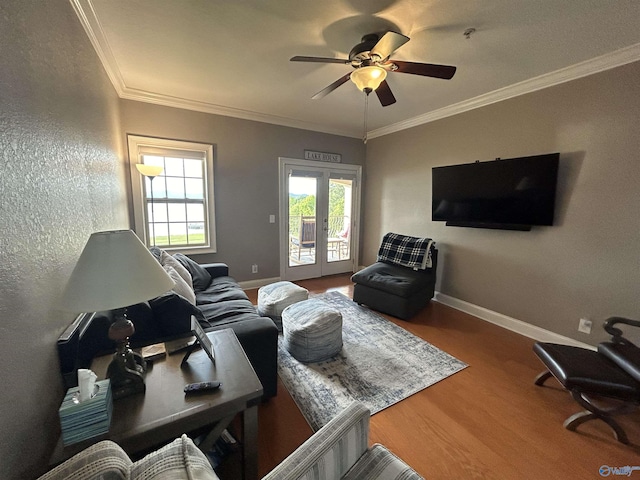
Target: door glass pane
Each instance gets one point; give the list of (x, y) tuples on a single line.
[(339, 235), (302, 220)]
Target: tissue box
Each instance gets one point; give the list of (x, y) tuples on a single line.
[(83, 420)]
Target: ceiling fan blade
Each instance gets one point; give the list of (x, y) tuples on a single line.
[(388, 44), (326, 91), (425, 69), (319, 60), (384, 94)]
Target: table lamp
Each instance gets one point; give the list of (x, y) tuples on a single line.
[(116, 270)]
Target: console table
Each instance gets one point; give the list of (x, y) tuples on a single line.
[(146, 421)]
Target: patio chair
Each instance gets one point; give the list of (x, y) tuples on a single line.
[(306, 237)]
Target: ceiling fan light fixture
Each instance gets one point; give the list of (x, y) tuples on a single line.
[(368, 78)]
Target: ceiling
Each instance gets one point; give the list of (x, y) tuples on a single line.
[(232, 57)]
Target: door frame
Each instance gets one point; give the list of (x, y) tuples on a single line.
[(283, 164)]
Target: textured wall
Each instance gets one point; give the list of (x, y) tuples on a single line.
[(588, 264), (61, 178), (246, 175)]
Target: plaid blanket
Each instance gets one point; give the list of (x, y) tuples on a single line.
[(412, 252)]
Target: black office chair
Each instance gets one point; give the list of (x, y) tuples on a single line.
[(612, 372)]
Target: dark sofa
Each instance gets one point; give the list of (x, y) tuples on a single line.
[(220, 303)]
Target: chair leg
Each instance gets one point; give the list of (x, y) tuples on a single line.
[(593, 412), (540, 379), (577, 419)]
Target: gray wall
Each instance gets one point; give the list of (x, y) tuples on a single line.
[(63, 175), (246, 175), (61, 178), (588, 264)]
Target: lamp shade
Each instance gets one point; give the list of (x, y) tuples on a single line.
[(149, 170), (368, 77), (115, 270)]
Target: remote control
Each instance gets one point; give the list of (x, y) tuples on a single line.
[(201, 386)]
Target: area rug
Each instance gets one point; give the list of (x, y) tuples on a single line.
[(380, 364)]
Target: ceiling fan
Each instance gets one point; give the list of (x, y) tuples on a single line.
[(370, 59)]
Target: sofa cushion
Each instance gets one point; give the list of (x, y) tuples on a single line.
[(180, 460), (172, 314), (201, 278), (226, 312), (380, 463), (142, 317), (103, 460), (332, 450), (221, 289), (394, 279)]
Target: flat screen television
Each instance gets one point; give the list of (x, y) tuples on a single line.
[(511, 194)]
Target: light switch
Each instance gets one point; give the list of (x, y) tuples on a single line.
[(272, 219)]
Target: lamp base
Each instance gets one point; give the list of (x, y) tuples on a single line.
[(125, 381), (127, 367)]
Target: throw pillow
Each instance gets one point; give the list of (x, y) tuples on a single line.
[(181, 287), (201, 278), (168, 260), (156, 252)]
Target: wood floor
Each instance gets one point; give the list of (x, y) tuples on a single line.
[(487, 421)]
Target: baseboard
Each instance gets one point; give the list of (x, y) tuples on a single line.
[(251, 284), (504, 321), (513, 324)]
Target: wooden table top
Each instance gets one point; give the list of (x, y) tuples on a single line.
[(164, 411)]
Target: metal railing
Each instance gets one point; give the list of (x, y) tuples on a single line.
[(338, 225), (338, 246)]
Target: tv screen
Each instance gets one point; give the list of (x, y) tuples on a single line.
[(513, 194)]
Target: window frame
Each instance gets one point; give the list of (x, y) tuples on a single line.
[(136, 143)]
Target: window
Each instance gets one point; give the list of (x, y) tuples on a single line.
[(173, 210)]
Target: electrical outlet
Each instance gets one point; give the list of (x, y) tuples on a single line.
[(254, 268), (584, 326)]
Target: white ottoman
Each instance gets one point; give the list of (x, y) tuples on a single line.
[(275, 297), (312, 330)]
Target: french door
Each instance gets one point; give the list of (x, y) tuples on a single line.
[(319, 213)]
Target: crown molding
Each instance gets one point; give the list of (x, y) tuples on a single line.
[(205, 107), (599, 64), (86, 14)]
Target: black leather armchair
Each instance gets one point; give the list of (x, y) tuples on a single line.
[(394, 289), (611, 372)]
